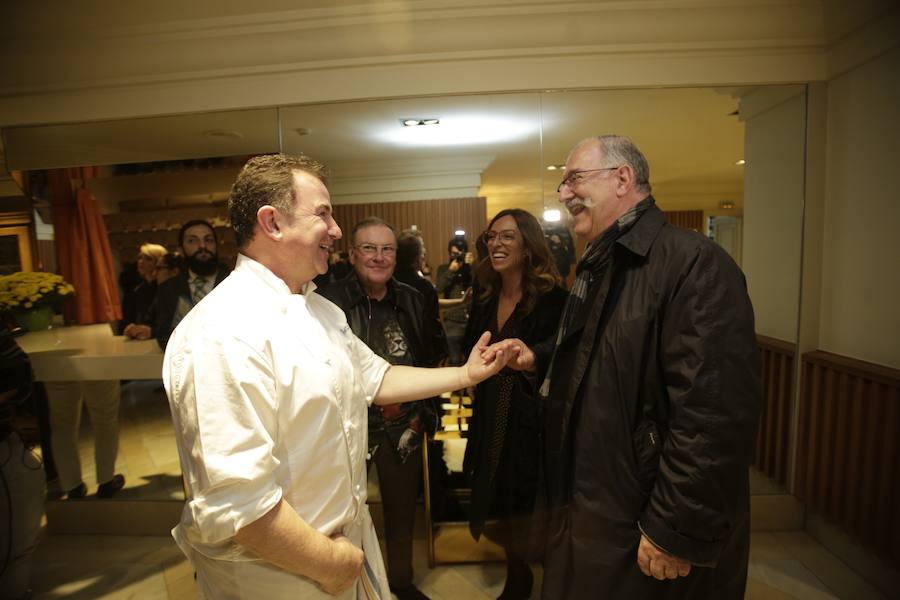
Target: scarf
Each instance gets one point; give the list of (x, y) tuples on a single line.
[(591, 267)]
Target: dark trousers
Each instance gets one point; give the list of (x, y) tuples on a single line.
[(399, 485)]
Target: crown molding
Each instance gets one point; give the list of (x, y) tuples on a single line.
[(110, 67)]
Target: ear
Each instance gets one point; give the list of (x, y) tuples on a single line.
[(267, 219), (624, 180)]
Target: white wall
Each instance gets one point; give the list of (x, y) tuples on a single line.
[(773, 207), (860, 294)]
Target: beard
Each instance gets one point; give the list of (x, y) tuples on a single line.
[(203, 266)]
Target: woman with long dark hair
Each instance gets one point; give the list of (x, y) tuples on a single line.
[(517, 295)]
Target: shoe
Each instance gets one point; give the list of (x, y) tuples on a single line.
[(78, 492), (408, 592), (54, 490), (111, 487)]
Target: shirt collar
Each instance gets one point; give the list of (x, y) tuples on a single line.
[(274, 282)]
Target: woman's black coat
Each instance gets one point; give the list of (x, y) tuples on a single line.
[(513, 488)]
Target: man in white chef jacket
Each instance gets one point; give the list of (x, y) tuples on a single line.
[(269, 390)]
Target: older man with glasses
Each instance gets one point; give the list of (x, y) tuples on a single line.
[(651, 399), (393, 320)]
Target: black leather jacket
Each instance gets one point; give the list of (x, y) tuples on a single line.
[(420, 325)]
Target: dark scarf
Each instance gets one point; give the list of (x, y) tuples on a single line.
[(591, 267)]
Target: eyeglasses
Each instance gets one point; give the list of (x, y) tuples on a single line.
[(372, 249), (576, 176), (505, 237)]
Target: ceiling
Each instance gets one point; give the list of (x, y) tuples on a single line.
[(495, 145)]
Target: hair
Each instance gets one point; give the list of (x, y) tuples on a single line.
[(171, 260), (409, 249), (154, 251), (370, 222), (266, 180), (192, 223), (620, 150), (539, 272), (458, 242)]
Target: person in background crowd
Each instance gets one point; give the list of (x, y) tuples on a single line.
[(651, 399), (410, 251), (397, 323), (453, 282), (21, 476), (177, 296), (516, 295), (137, 312), (269, 390), (170, 265), (562, 250)]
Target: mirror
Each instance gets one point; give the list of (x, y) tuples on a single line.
[(500, 148)]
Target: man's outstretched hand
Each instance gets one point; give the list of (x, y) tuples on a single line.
[(521, 358), (483, 364)]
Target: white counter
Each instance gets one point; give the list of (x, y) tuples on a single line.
[(90, 352)]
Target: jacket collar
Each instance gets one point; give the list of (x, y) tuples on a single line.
[(356, 293), (641, 235)]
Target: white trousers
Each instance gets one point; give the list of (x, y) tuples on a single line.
[(102, 400)]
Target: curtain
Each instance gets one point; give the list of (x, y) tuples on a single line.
[(82, 248)]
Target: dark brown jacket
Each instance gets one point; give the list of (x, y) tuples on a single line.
[(651, 421)]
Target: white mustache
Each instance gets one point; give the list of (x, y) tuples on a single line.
[(576, 202)]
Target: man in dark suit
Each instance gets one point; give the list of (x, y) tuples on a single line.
[(177, 296)]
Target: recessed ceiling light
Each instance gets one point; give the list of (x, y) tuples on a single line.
[(417, 122), (726, 204), (551, 167), (456, 130), (552, 215), (556, 167), (741, 162), (224, 134)]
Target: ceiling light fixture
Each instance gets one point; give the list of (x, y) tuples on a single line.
[(556, 167), (552, 215), (456, 130), (460, 233), (419, 122), (726, 204), (741, 162)]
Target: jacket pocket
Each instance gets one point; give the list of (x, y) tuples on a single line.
[(647, 447)]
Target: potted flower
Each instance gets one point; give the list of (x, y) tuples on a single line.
[(31, 297)]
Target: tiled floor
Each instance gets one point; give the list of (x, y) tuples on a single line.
[(147, 454), (782, 566)]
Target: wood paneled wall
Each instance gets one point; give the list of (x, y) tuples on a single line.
[(848, 460), (689, 219), (772, 452), (436, 219), (128, 230)]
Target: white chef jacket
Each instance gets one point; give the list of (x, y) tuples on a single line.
[(269, 393)]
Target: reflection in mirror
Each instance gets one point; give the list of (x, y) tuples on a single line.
[(486, 153)]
